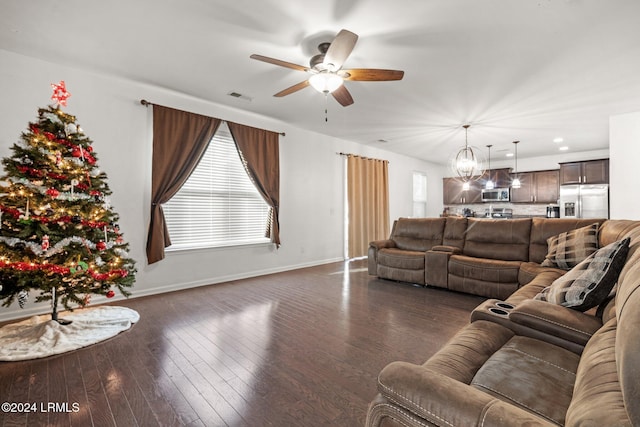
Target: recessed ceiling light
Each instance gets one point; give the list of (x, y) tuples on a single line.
[(558, 140), (509, 154), (563, 148)]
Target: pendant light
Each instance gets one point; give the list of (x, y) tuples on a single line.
[(489, 185), (465, 162), (516, 181)]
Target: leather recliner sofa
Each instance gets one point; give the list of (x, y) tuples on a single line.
[(486, 257), (522, 361)]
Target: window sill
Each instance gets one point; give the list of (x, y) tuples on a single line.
[(222, 246)]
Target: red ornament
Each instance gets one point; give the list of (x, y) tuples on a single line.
[(101, 246), (111, 294), (60, 93), (52, 192), (45, 242)]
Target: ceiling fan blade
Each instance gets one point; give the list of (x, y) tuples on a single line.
[(339, 50), (279, 62), (371, 74), (343, 96), (292, 89)]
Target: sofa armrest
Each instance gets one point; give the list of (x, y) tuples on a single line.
[(442, 400), (552, 319), (379, 244), (449, 249), (374, 247)]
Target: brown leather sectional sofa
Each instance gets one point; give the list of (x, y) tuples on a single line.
[(487, 257), (520, 361)]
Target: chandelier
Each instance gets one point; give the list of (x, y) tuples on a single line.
[(466, 163)]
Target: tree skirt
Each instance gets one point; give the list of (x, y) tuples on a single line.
[(39, 336)]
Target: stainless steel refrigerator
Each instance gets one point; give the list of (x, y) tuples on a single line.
[(584, 201)]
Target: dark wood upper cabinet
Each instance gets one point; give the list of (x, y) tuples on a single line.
[(525, 193), (537, 187), (547, 186), (500, 177), (453, 194), (587, 172)]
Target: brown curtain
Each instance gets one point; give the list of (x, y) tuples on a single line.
[(368, 203), (180, 139), (259, 151)]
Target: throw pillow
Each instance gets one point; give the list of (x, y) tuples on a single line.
[(566, 250), (590, 282)]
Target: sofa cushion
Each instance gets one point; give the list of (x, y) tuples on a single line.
[(482, 276), (531, 374), (401, 274), (535, 286), (543, 228), (454, 231), (589, 283), (531, 270), (498, 239), (398, 258), (418, 234), (597, 384), (566, 250)]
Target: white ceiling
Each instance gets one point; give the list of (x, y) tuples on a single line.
[(528, 70)]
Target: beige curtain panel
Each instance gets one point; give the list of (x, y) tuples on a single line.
[(368, 200), (260, 154), (180, 139)]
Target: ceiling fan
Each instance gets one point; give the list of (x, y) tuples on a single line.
[(327, 75)]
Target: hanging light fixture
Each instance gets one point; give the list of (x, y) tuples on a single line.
[(326, 81), (489, 185), (516, 181), (466, 162)]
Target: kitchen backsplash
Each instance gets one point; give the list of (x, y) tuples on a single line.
[(519, 209)]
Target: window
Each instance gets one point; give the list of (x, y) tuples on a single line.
[(218, 205), (419, 195)]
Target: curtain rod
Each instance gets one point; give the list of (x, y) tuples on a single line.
[(147, 103), (362, 157)]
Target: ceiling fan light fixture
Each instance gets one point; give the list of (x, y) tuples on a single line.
[(325, 81)]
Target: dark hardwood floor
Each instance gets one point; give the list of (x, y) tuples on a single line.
[(301, 348)]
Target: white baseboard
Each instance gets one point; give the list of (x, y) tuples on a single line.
[(14, 312)]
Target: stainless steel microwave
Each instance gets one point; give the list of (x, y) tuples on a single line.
[(495, 195)]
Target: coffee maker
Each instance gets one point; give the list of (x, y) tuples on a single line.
[(553, 211)]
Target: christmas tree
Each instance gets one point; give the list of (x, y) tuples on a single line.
[(58, 232)]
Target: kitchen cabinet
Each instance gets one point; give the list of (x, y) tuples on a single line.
[(524, 194), (453, 194), (587, 172), (537, 187), (500, 177)]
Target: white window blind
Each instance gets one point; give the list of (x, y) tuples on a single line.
[(419, 195), (218, 205)]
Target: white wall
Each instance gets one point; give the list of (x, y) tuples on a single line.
[(624, 145), (109, 111)]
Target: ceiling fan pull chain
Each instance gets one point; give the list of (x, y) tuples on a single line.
[(326, 107)]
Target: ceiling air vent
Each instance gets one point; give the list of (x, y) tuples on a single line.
[(239, 96)]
